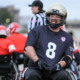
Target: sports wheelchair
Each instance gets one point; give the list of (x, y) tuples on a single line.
[(72, 75), (8, 69), (21, 62)]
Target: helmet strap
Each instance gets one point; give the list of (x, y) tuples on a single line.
[(54, 26)]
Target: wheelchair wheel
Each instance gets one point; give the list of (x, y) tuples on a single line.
[(8, 78), (72, 76), (13, 76)]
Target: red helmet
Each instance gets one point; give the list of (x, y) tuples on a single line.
[(3, 30), (14, 27)]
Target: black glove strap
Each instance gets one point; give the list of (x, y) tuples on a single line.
[(38, 63), (67, 60)]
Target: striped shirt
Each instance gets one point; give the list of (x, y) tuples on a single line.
[(37, 19)]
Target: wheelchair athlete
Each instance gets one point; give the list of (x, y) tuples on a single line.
[(7, 51), (19, 42), (49, 48)]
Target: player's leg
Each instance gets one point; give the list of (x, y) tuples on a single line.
[(32, 74), (61, 75)]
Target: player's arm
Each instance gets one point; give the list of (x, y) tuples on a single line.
[(30, 48), (12, 50), (65, 60), (30, 52), (30, 43)]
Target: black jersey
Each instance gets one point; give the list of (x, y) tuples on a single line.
[(50, 46)]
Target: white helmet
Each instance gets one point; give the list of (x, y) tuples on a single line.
[(56, 9)]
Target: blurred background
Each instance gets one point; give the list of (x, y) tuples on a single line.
[(18, 11)]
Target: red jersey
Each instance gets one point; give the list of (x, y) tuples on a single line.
[(6, 46), (18, 40)]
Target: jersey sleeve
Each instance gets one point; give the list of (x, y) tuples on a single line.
[(32, 38), (11, 47), (29, 26), (69, 48), (33, 23)]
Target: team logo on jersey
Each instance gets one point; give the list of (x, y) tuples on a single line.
[(63, 39), (71, 48)]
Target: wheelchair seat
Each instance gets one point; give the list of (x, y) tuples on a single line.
[(5, 69), (20, 58), (9, 70)]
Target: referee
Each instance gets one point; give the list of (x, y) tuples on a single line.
[(39, 15)]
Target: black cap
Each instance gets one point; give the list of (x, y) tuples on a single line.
[(36, 3)]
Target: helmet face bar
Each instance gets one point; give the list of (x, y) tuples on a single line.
[(59, 10)]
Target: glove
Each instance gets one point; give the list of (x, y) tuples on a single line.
[(42, 65), (56, 67)]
